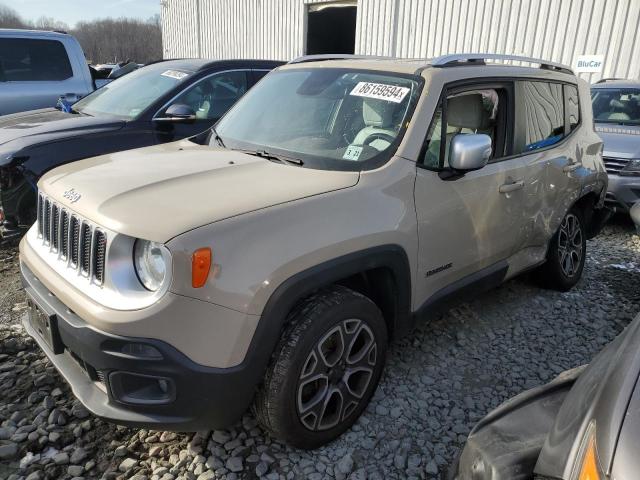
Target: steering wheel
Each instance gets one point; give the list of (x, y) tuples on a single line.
[(378, 136)]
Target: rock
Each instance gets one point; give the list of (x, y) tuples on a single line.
[(75, 470), (208, 475), (345, 464), (431, 468), (8, 450), (61, 458), (220, 436), (382, 410), (414, 461), (121, 451), (78, 455), (168, 436), (127, 464), (79, 411), (262, 468), (235, 464), (28, 459)]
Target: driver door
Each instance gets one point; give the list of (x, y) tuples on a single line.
[(468, 225), (209, 98)]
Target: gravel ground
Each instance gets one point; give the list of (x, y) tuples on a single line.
[(437, 384)]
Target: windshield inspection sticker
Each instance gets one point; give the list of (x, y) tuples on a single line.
[(380, 91), (352, 152), (174, 74)]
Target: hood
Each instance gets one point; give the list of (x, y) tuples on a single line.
[(50, 124), (159, 192), (601, 396), (620, 141)]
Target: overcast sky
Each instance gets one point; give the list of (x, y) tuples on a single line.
[(73, 11)]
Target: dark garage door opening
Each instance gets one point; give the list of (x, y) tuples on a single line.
[(331, 30)]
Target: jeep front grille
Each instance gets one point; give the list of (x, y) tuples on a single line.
[(614, 165), (72, 239)]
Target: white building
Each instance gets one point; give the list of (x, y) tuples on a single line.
[(606, 31)]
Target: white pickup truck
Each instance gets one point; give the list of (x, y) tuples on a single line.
[(37, 67)]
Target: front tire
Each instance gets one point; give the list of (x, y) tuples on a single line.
[(566, 254), (325, 368)]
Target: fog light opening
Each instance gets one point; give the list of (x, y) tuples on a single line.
[(140, 389)]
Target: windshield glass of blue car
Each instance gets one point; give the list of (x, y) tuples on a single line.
[(616, 105), (325, 118), (127, 97)]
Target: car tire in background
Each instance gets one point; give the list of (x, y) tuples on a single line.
[(325, 368), (566, 254)]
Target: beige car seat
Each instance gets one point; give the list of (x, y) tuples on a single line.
[(378, 118), (465, 114)]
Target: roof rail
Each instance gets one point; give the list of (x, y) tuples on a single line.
[(335, 56), (479, 58), (602, 80)]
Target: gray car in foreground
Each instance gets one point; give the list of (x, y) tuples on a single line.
[(584, 425), (616, 113)]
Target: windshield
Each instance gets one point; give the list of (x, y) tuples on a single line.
[(616, 105), (129, 96), (326, 118)]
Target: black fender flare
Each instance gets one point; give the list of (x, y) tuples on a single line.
[(288, 293)]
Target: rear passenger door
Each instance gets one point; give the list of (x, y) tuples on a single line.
[(547, 112), (33, 74), (469, 225)]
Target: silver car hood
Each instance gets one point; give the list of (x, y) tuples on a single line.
[(620, 141), (601, 395)]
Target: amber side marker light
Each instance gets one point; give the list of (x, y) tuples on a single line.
[(589, 469), (200, 266)]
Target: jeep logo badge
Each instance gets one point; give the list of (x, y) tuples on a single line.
[(72, 195)]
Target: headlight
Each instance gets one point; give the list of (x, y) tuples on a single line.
[(151, 260), (633, 166), (589, 466)]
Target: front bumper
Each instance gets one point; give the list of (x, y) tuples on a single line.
[(623, 191), (505, 445), (94, 363)]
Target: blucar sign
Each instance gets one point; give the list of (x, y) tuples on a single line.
[(589, 63)]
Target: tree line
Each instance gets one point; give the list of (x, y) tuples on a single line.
[(107, 40)]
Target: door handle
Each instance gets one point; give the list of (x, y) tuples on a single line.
[(511, 187), (571, 167)]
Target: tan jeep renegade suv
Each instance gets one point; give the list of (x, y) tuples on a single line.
[(270, 261)]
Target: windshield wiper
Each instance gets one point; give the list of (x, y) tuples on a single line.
[(217, 137), (273, 157)]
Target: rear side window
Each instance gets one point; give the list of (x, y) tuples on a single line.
[(24, 59), (544, 115)]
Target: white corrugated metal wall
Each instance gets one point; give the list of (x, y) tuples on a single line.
[(557, 30)]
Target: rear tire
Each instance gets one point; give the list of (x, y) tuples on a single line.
[(325, 368), (566, 254)]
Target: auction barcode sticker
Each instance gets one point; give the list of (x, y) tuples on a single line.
[(178, 75), (380, 91)]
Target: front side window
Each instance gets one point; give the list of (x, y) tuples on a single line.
[(129, 96), (33, 60), (616, 105), (327, 118), (211, 97), (481, 111), (542, 106)]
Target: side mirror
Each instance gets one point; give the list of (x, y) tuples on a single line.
[(178, 113), (469, 152)]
